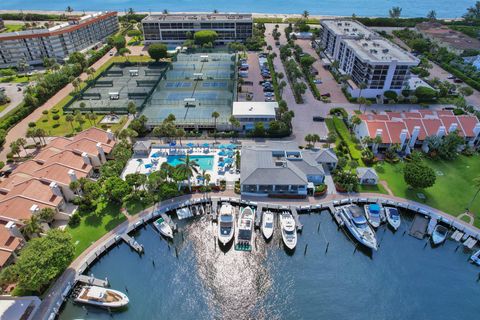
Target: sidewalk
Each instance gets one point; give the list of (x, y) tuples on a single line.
[(20, 129)]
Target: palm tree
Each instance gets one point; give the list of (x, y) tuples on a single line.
[(130, 12), (32, 226), (41, 133), (15, 148), (476, 183), (74, 186), (215, 116), (69, 9), (395, 12), (215, 11), (180, 133), (305, 14), (361, 101), (315, 139), (165, 11), (70, 118), (432, 15), (22, 142), (31, 134), (46, 214), (355, 121), (187, 168), (308, 138)]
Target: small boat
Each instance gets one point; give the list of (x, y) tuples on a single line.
[(393, 217), (373, 214), (226, 224), (476, 258), (439, 234), (101, 297), (245, 229), (353, 218), (267, 224), (184, 213), (163, 227), (289, 231)]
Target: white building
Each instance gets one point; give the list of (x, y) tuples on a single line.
[(366, 57), (249, 112), (178, 27), (56, 42)]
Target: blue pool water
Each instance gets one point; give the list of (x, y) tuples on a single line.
[(410, 8), (204, 162)]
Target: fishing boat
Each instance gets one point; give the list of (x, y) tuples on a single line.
[(439, 234), (393, 217), (226, 224), (353, 218), (289, 231), (267, 224), (163, 227), (245, 229), (373, 214), (100, 297), (476, 258)]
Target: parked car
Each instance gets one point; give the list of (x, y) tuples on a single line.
[(267, 89), (318, 119), (326, 95), (268, 94), (266, 83), (317, 81), (269, 99), (111, 53), (277, 43), (456, 80)]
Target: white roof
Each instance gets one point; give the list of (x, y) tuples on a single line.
[(380, 51), (349, 28), (366, 173), (254, 108)]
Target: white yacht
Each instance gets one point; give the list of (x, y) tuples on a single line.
[(439, 234), (373, 214), (353, 218), (476, 258), (226, 224), (163, 227), (245, 229), (289, 231), (267, 224), (393, 217), (101, 297)]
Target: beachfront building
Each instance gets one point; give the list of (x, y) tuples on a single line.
[(366, 58), (178, 27), (78, 34), (44, 181), (453, 40), (280, 169), (410, 129), (248, 113)]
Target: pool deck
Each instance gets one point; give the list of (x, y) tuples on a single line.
[(59, 291), (158, 155)]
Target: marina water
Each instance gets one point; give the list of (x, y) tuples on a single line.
[(406, 278), (410, 8)]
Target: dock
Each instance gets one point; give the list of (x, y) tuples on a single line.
[(419, 226), (470, 243), (91, 280), (431, 226), (214, 208), (132, 243), (258, 215), (297, 218), (169, 220), (457, 235)]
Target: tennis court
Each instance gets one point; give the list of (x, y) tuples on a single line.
[(194, 87), (117, 86)]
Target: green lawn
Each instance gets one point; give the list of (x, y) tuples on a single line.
[(94, 225), (3, 106), (12, 27), (61, 127), (134, 207), (372, 189), (452, 191)]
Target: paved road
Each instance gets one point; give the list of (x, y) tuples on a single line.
[(15, 96), (21, 128)]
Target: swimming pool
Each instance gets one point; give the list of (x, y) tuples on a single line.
[(204, 162)]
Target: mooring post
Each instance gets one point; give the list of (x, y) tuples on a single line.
[(305, 250), (326, 249), (318, 228)]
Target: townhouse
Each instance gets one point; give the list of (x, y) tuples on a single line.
[(411, 129)]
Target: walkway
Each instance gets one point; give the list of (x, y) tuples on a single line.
[(21, 128), (53, 298)]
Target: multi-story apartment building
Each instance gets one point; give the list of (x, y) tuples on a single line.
[(366, 57), (56, 42), (176, 28)]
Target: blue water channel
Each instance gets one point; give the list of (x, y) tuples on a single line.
[(405, 279)]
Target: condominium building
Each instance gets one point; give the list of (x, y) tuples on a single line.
[(56, 42), (366, 58), (178, 27)]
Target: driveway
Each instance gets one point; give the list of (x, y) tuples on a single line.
[(328, 85), (302, 123), (15, 96)]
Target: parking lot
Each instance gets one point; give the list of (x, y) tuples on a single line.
[(15, 95), (251, 84)]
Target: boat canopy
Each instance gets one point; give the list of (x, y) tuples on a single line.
[(226, 218), (374, 208)]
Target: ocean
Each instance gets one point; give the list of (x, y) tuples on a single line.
[(405, 279), (410, 8)]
